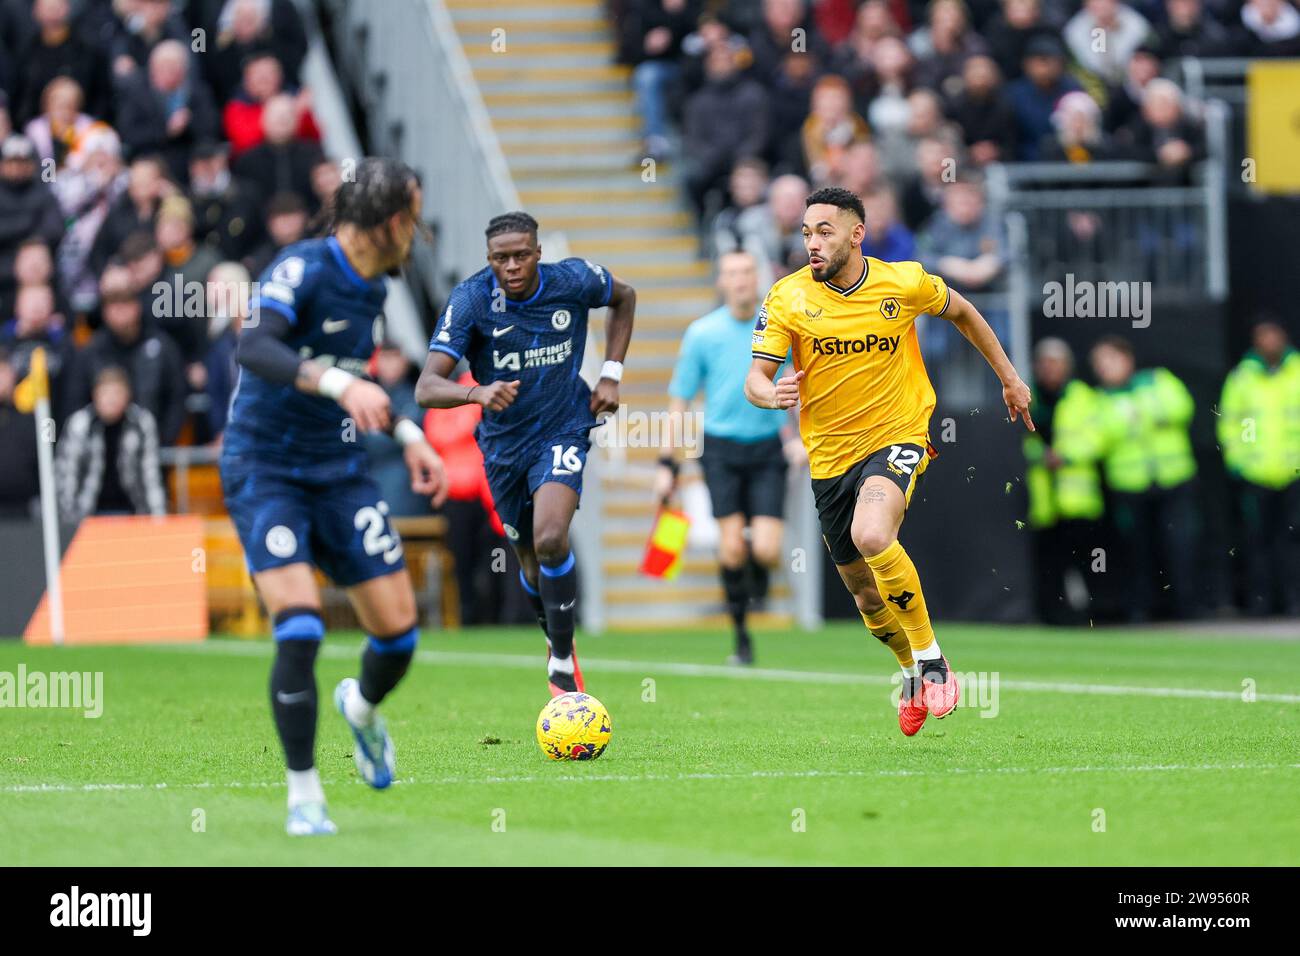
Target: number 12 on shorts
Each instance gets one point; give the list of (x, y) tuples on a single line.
[(904, 459), (565, 461)]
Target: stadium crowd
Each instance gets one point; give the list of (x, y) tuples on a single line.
[(150, 147), (893, 99), (151, 153), (155, 155)]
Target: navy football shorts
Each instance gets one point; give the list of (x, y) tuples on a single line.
[(339, 525), (514, 483)]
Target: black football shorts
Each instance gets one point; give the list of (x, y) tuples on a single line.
[(836, 497), (745, 477)]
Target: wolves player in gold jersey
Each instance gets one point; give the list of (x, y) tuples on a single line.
[(864, 412)]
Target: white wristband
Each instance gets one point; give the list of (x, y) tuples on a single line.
[(407, 432), (334, 382), (612, 370)]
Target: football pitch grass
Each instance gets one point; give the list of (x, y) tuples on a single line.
[(1093, 747)]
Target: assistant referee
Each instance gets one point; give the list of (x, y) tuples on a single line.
[(746, 449)]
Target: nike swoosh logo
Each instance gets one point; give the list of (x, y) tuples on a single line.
[(299, 697), (330, 326), (568, 607), (497, 333)]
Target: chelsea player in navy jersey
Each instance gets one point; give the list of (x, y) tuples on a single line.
[(294, 472), (522, 325)]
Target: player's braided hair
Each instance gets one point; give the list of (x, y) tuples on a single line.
[(839, 197), (511, 222), (379, 188)]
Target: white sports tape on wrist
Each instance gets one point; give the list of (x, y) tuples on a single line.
[(407, 432), (334, 382)]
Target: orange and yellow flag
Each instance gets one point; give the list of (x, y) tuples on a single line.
[(663, 552), (35, 386)]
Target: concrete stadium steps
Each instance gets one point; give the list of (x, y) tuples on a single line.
[(565, 117)]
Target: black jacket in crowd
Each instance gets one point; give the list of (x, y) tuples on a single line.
[(154, 365)]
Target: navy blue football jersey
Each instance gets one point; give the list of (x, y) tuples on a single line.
[(336, 318), (540, 341)]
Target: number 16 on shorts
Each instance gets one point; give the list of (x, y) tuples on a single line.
[(565, 460)]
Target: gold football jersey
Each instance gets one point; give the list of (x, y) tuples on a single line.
[(865, 385)]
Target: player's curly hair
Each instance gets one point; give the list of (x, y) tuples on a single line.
[(379, 188), (517, 221), (839, 197)]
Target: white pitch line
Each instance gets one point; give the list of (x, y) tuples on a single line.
[(645, 778), (678, 669)]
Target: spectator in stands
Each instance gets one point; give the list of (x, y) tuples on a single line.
[(263, 79), (1034, 95), (393, 371), (140, 254), (1258, 434), (244, 27), (924, 120), (28, 208), (983, 113), (20, 485), (282, 162), (1121, 30), (61, 126), (790, 95), (1188, 31), (765, 229), (830, 129), (936, 165), (474, 531), (962, 242), (56, 50), (942, 47), (146, 25), (186, 265), (1079, 137), (741, 221), (724, 122), (1011, 30), (784, 227), (37, 324), (167, 109), (1149, 467), (150, 358), (854, 57), (326, 177), (6, 122), (1166, 133), (1124, 102), (33, 265), (286, 223), (965, 244), (860, 171), (107, 455), (86, 190), (133, 210), (886, 238), (776, 36), (711, 33), (1272, 28), (228, 290), (660, 27), (890, 83), (226, 214)]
